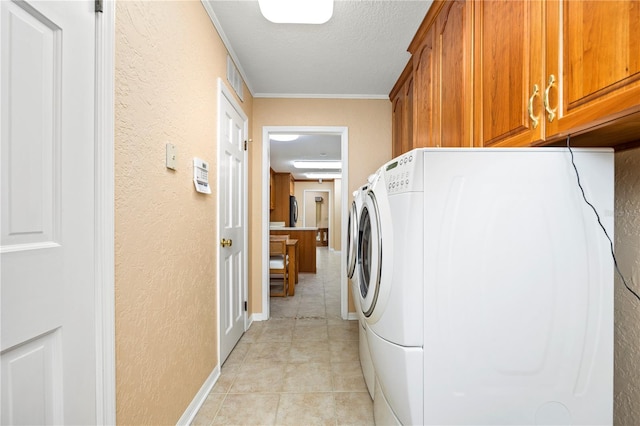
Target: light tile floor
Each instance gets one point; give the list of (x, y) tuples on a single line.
[(301, 367)]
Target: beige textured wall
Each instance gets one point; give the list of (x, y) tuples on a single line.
[(627, 312), (168, 56), (369, 123)]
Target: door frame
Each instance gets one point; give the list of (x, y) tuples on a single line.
[(343, 131), (330, 195), (104, 202), (224, 91)]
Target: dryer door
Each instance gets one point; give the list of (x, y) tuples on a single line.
[(352, 240), (369, 253)]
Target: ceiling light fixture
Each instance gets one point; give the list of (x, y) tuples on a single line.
[(296, 11), (317, 164), (323, 175), (283, 138)]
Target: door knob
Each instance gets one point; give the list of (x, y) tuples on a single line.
[(226, 243)]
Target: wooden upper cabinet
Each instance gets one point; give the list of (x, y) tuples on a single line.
[(407, 140), (509, 73), (593, 54), (454, 96), (545, 69), (442, 58), (521, 73), (424, 75), (397, 118), (402, 112), (283, 186)]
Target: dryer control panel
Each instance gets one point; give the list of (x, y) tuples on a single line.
[(400, 173)]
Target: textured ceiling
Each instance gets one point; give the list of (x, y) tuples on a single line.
[(316, 147), (360, 52)]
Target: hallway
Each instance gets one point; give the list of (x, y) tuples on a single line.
[(299, 367)]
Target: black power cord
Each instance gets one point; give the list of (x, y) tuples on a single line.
[(613, 254)]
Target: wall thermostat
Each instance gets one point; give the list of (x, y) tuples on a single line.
[(201, 176)]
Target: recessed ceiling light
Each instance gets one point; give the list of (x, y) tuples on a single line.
[(283, 138), (296, 11), (317, 164), (323, 175)]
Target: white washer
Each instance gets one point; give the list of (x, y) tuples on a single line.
[(353, 273), (514, 282), (391, 235)]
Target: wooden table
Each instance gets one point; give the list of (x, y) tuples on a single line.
[(292, 253)]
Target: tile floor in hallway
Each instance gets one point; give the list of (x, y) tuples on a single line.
[(301, 367)]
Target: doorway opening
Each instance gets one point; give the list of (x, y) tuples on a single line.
[(317, 212), (339, 203)]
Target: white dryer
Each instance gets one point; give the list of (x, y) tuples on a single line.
[(390, 257), (487, 286), (353, 274)]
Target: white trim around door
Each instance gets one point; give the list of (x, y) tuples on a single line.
[(266, 160), (104, 216)]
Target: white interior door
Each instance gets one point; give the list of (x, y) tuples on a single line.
[(232, 178), (48, 357)]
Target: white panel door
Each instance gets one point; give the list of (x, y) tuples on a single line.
[(232, 224), (47, 340)]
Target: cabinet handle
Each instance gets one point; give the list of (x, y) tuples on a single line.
[(534, 120), (551, 112)]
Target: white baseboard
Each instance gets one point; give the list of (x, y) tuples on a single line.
[(249, 322), (352, 316), (258, 316), (200, 398)]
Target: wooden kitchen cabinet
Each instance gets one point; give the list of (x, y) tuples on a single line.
[(454, 86), (397, 119), (523, 73), (283, 186), (442, 58), (402, 110), (593, 53), (509, 72), (424, 76), (561, 67)]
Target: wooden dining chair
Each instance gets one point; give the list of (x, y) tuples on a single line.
[(278, 266)]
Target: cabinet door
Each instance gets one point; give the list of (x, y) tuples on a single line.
[(280, 213), (401, 97), (454, 85), (407, 140), (593, 54), (397, 118), (424, 74), (509, 73)]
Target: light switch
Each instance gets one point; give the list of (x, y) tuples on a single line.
[(171, 156)]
